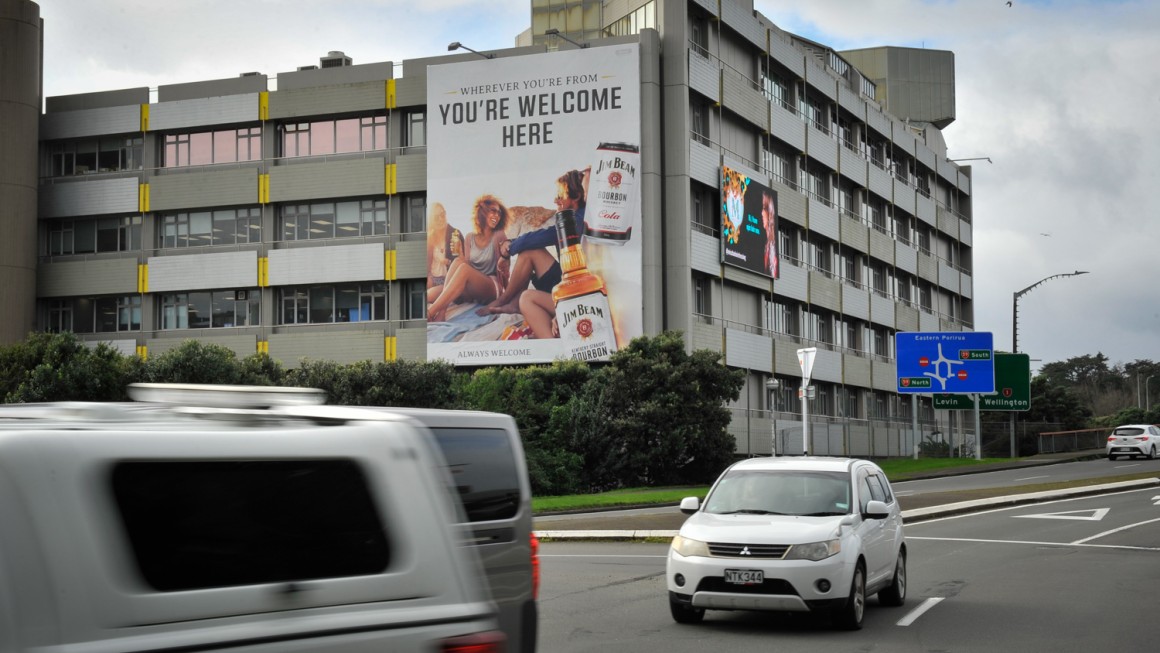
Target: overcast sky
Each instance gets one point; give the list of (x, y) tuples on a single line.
[(1062, 96)]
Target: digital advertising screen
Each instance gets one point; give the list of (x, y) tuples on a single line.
[(748, 223)]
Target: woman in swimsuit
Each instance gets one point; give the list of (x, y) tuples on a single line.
[(475, 276)]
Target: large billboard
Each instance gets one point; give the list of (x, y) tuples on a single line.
[(533, 197), (748, 223)]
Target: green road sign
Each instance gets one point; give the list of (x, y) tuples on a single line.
[(1012, 387)]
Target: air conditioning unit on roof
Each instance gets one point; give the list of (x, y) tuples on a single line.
[(335, 59)]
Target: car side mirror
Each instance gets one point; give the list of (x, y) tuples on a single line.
[(690, 505), (876, 510)]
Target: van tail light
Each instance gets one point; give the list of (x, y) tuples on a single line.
[(487, 642), (535, 567)]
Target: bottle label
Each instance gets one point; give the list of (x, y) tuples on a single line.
[(613, 194), (585, 324)]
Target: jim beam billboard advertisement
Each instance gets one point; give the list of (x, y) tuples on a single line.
[(533, 199)]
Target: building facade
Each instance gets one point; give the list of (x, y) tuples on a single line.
[(289, 216)]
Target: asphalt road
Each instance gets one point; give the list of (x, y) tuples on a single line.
[(939, 490), (1074, 575)]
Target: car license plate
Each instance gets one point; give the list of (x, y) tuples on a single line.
[(744, 576)]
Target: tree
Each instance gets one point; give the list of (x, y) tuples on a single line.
[(411, 384), (1057, 404), (654, 415), (61, 367), (199, 362)]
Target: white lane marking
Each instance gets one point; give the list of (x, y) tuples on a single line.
[(903, 494), (1031, 478), (1093, 514), (1126, 466), (1033, 543), (1114, 530), (1008, 508), (1156, 499), (917, 612)]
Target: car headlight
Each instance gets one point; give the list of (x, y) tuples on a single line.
[(687, 547), (814, 550)]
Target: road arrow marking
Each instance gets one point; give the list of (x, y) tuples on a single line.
[(1157, 500), (1095, 514)]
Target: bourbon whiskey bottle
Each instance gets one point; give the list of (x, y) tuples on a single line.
[(583, 314)]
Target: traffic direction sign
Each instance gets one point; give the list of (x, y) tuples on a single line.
[(1012, 387), (954, 362)]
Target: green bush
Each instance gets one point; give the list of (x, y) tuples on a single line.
[(61, 367)]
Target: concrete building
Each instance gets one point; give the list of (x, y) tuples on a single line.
[(289, 216)]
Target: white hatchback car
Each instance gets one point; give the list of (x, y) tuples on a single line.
[(790, 534), (1133, 440)]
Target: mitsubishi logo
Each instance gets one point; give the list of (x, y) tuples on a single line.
[(745, 551)]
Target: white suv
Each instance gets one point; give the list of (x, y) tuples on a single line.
[(790, 534)]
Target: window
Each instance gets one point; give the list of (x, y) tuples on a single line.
[(205, 148), (774, 86), (699, 121), (705, 213), (811, 113), (415, 129), (217, 227), (820, 255), (414, 300), (850, 403), (88, 156), (321, 137), (211, 309), (414, 213), (333, 219), (304, 519), (485, 471), (642, 18), (782, 318), (787, 242), (701, 303), (93, 235), (95, 314), (699, 34), (334, 304)]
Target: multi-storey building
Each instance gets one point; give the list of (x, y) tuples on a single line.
[(289, 215)]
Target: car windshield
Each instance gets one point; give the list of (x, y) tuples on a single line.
[(1130, 431), (781, 492)]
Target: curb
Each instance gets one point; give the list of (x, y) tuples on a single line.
[(908, 516)]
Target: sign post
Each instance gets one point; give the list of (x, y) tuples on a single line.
[(1012, 391), (806, 362)]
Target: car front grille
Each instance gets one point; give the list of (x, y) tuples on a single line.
[(729, 550), (769, 586)]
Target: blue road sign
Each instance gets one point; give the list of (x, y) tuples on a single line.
[(954, 362)]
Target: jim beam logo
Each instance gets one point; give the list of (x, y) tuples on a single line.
[(586, 327)]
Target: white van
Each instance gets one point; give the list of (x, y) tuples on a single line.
[(486, 458), (147, 528)]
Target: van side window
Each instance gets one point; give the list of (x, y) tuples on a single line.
[(483, 470), (196, 525)]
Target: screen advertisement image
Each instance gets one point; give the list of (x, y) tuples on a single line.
[(748, 223), (533, 207)]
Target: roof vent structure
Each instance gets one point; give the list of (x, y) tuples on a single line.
[(335, 59)]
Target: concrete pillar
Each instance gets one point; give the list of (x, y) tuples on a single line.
[(20, 100)]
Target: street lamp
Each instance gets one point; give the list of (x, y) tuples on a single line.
[(974, 158), (1015, 332), (1148, 397), (456, 45), (556, 32), (771, 387)]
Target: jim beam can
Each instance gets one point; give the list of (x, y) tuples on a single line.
[(613, 194)]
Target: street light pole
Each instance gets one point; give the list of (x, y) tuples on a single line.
[(1015, 332), (771, 387), (1147, 396)]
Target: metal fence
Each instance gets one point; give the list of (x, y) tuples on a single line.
[(758, 432)]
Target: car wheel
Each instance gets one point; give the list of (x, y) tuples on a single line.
[(849, 616), (895, 595), (685, 614), (1111, 458), (1152, 453)]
